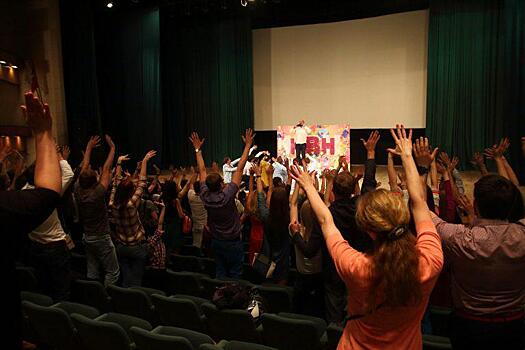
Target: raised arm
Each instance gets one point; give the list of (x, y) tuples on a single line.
[(496, 152), (139, 191), (187, 186), (369, 181), (197, 143), (392, 174), (416, 191), (47, 168), (248, 140), (479, 162), (106, 168), (92, 143)]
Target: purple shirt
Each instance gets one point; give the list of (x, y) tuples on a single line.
[(223, 219), (487, 265)]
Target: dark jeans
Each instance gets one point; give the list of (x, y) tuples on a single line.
[(52, 263), (228, 258), (101, 255), (471, 334), (309, 294), (300, 151), (132, 260)]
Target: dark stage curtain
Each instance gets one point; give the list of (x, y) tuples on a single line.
[(206, 66), (129, 79), (80, 78), (476, 81)]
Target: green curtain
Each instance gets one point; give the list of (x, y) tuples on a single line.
[(475, 91), (128, 67), (80, 74), (206, 66)]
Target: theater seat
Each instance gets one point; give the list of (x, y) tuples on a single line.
[(235, 345), (91, 293), (334, 333), (278, 298), (434, 342), (291, 331), (145, 340), (179, 312), (53, 326), (134, 302), (77, 308), (231, 324), (184, 283), (125, 321), (100, 335), (26, 278), (195, 338)]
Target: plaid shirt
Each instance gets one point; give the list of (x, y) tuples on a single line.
[(129, 229), (157, 250)]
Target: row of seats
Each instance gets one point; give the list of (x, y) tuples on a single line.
[(68, 325)]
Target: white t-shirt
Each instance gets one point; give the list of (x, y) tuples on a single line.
[(300, 133)]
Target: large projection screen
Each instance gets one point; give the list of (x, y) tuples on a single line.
[(368, 73)]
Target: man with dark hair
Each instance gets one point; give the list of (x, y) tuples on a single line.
[(343, 210), (300, 133), (223, 219), (487, 263), (90, 195)]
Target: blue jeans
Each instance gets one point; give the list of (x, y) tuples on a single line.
[(228, 258), (132, 260), (101, 255)]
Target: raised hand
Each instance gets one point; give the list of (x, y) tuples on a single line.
[(109, 141), (248, 137), (478, 160), (497, 151), (196, 141), (66, 151), (93, 142), (302, 177), (37, 115), (403, 142), (256, 170), (149, 155), (422, 154), (123, 158), (371, 143)]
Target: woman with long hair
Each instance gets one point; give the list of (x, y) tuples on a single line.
[(129, 234), (389, 287), (276, 218)]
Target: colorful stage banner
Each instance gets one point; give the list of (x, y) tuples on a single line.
[(324, 145)]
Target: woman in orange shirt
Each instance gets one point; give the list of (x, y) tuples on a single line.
[(388, 288)]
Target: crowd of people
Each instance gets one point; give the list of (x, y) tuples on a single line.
[(367, 258)]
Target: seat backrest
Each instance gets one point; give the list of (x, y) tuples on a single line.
[(287, 333), (36, 298), (184, 283), (240, 345), (98, 335), (145, 340), (186, 263), (132, 302), (91, 293), (52, 326), (230, 324), (179, 312), (149, 291), (278, 299), (77, 308), (125, 321), (334, 333), (435, 342), (210, 285), (195, 338)]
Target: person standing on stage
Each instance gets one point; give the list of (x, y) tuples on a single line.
[(300, 132)]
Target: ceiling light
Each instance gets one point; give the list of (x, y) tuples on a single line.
[(109, 4), (3, 62), (13, 66)]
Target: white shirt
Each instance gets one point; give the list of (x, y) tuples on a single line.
[(51, 230), (280, 171), (247, 167), (228, 170), (199, 215), (300, 133)]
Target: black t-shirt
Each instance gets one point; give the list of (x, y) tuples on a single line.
[(20, 213)]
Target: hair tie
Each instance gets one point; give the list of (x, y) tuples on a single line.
[(397, 232)]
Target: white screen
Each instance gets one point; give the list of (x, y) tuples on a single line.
[(369, 73)]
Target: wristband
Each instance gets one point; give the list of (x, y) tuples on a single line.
[(197, 150)]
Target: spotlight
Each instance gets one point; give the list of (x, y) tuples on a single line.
[(3, 62), (13, 66), (109, 4), (244, 3)]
